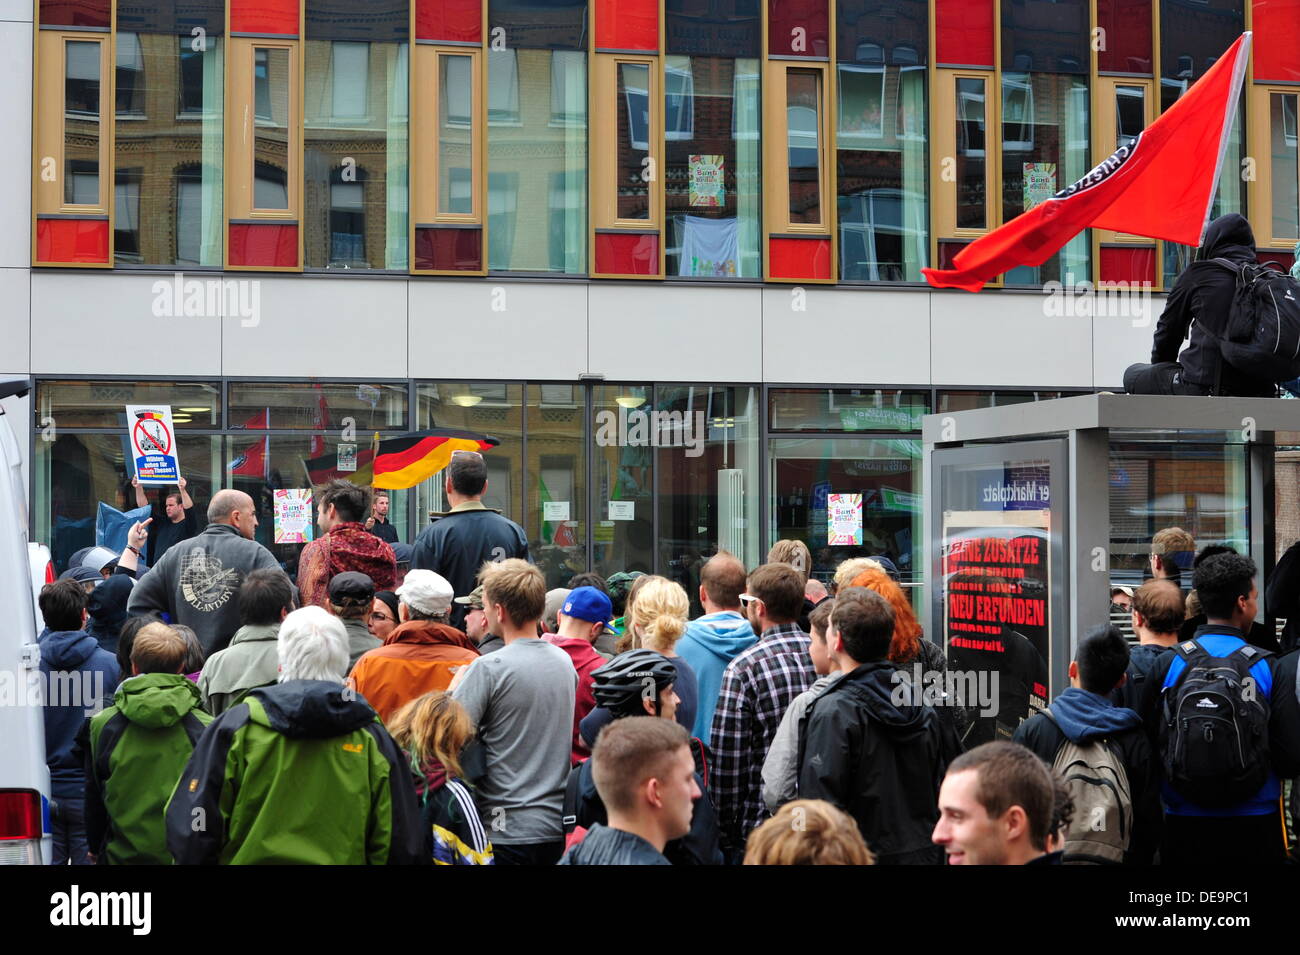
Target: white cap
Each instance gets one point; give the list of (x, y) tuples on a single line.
[(425, 591), (98, 558)]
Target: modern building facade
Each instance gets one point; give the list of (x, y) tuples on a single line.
[(667, 251)]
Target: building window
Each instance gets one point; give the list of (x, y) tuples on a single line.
[(545, 156), (711, 167), (182, 82)]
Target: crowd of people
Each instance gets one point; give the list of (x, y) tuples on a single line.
[(459, 712)]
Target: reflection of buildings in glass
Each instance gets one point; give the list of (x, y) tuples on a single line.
[(167, 138), (354, 138)]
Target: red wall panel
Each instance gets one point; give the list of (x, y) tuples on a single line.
[(71, 240), (278, 17), (963, 32), (627, 253), (1283, 260), (76, 13), (627, 25), (1277, 49), (455, 21), (787, 17), (799, 258), (273, 245), (1134, 266), (449, 250), (1127, 46)]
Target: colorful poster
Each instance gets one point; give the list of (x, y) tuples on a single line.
[(293, 523), (843, 519), (153, 443), (1040, 182), (707, 187)]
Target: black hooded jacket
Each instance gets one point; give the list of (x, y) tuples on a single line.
[(879, 761), (1204, 292)]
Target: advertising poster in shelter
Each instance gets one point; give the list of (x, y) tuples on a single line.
[(997, 614)]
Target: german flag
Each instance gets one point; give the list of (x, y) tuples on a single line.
[(407, 460)]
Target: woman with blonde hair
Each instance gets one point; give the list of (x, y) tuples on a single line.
[(657, 617), (433, 730), (808, 832)]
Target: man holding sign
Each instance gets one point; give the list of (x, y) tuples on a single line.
[(175, 522)]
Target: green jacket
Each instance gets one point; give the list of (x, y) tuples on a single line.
[(251, 660), (135, 752), (302, 773)]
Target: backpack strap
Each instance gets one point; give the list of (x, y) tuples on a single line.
[(194, 727), (570, 818), (109, 737), (701, 754)]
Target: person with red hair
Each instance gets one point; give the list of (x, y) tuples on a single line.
[(909, 641)]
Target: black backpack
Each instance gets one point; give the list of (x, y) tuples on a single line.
[(1263, 333), (1214, 735)]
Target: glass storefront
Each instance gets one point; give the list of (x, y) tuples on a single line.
[(610, 477)]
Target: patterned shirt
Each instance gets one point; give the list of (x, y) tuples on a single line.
[(757, 686)]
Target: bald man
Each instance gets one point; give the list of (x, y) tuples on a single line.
[(197, 581)]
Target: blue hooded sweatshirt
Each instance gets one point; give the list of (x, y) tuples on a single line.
[(709, 644), (78, 680), (1084, 716)]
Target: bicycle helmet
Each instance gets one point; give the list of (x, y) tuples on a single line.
[(620, 684)]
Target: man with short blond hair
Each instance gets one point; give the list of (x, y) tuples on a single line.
[(1172, 550), (135, 751), (645, 775), (521, 701), (1157, 614)]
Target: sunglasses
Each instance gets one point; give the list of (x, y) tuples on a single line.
[(748, 599), (382, 616)]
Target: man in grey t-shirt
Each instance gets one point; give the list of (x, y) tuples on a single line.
[(521, 701)]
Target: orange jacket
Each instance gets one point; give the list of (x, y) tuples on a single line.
[(417, 657)]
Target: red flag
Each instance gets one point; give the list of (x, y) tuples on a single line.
[(1161, 185), (254, 460), (321, 422)]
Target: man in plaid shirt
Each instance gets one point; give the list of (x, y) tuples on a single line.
[(757, 686)]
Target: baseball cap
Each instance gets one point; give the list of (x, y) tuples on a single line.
[(1121, 590), (81, 575), (589, 604), (351, 587), (887, 566), (427, 592), (475, 599)]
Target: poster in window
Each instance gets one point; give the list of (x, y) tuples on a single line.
[(293, 523), (997, 608), (843, 519), (707, 188), (1040, 183)]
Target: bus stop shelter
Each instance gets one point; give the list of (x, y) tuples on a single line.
[(1036, 512)]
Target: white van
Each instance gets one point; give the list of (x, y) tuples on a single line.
[(25, 834)]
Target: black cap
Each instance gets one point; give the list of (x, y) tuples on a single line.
[(351, 587)]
